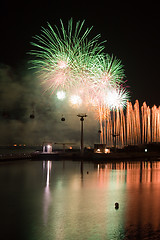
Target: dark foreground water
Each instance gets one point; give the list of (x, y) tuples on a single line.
[(53, 200)]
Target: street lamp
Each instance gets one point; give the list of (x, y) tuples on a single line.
[(82, 116)]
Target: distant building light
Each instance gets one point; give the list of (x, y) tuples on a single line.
[(145, 149), (107, 150), (101, 148)]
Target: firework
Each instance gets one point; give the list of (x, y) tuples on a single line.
[(77, 70), (65, 58), (72, 66), (61, 95), (112, 69), (117, 98)]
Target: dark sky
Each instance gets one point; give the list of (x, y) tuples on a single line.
[(131, 31)]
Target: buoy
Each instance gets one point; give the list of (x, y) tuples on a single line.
[(116, 205)]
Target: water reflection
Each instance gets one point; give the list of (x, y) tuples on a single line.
[(47, 196), (139, 197), (136, 171), (81, 204)]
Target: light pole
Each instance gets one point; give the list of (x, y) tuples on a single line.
[(82, 116)]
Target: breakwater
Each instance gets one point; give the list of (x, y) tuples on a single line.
[(15, 156)]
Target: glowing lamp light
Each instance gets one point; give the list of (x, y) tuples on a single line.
[(75, 99), (146, 150), (98, 150), (107, 150), (61, 95)]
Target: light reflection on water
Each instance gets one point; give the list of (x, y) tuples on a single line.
[(55, 200)]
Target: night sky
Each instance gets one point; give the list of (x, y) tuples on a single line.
[(131, 31)]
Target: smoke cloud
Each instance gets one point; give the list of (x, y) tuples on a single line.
[(22, 97)]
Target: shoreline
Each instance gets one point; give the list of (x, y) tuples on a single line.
[(87, 156)]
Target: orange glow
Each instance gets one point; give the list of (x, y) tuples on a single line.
[(107, 150), (15, 145), (138, 125)]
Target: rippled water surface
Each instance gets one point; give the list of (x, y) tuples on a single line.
[(54, 200)]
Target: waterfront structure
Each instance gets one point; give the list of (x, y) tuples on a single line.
[(47, 147), (101, 148)]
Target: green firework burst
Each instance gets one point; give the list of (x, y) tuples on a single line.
[(63, 56)]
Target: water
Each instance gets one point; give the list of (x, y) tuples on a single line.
[(53, 200)]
